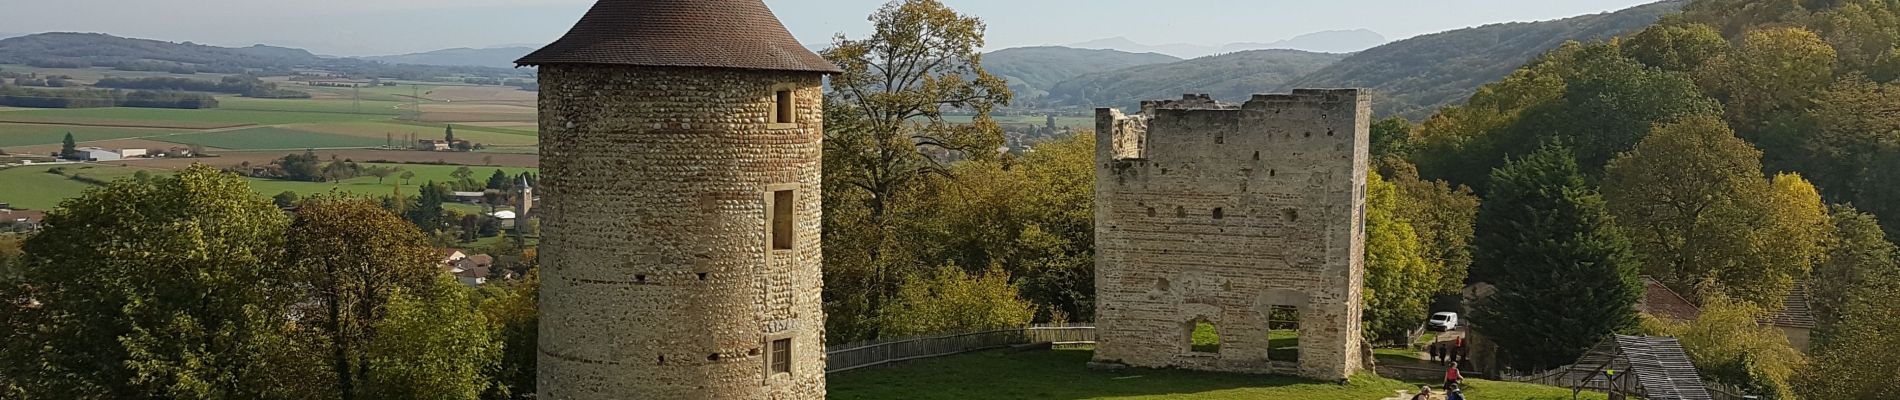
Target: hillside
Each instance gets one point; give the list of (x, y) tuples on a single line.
[(81, 50), (1416, 76), (498, 57), (1341, 41), (1032, 71), (1231, 77)]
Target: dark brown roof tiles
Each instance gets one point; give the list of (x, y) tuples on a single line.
[(739, 34)]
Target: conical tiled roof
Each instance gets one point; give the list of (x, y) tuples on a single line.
[(681, 33)]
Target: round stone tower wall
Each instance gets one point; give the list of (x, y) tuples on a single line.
[(663, 272)]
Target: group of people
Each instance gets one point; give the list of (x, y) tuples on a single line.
[(1443, 352), (1450, 354)]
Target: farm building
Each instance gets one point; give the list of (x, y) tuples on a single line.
[(102, 154)]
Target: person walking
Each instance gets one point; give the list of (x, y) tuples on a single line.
[(1455, 394), (1452, 377), (1436, 353)]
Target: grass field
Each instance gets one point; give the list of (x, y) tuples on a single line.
[(313, 105), (401, 130), (265, 138), (183, 118), (47, 190), (1062, 374), (12, 135)]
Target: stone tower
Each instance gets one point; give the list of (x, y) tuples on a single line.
[(680, 156), (527, 198), (1247, 219)]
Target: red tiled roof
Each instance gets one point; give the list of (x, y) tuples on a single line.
[(1795, 312), (16, 215), (1660, 301), (681, 33)]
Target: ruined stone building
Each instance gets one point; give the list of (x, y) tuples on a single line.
[(680, 149), (1248, 219)]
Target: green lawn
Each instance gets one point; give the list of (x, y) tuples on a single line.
[(1063, 375), (268, 138), (311, 105), (38, 134), (34, 188)]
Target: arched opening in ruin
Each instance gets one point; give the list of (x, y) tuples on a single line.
[(1283, 333), (1203, 337)]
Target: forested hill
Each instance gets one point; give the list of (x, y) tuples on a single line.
[(499, 57), (78, 50), (1231, 77), (1416, 76), (1032, 71)]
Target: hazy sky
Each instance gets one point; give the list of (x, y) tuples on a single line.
[(374, 27)]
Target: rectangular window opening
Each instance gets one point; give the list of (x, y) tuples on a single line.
[(784, 110), (782, 202), (781, 357)]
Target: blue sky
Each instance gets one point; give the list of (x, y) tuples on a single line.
[(372, 27)]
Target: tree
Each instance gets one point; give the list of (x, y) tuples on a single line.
[(302, 167), (354, 258), (122, 274), (510, 308), (1855, 145), (1730, 345), (1772, 78), (498, 180), (1391, 137), (432, 345), (286, 199), (381, 172), (462, 173), (1702, 215), (448, 134), (1847, 362), (883, 114), (68, 149), (1859, 253), (1565, 276), (950, 299), (1676, 47), (1443, 217), (407, 175), (426, 213), (1399, 281), (1610, 102)]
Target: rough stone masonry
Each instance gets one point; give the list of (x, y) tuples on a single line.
[(1245, 217)]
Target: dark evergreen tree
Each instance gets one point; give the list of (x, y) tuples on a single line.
[(426, 212), (69, 149), (448, 135), (1565, 277), (498, 180)]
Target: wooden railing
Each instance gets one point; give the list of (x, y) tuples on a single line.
[(1558, 378), (879, 352)]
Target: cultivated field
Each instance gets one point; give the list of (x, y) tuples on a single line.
[(341, 122), (44, 190)]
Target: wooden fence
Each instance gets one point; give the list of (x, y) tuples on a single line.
[(1558, 378), (879, 352)]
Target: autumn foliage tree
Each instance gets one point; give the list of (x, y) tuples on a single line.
[(354, 257)]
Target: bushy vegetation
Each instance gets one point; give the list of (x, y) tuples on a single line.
[(248, 86), (38, 98)]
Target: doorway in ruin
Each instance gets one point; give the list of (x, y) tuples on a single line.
[(1283, 333)]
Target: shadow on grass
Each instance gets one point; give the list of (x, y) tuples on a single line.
[(1063, 374)]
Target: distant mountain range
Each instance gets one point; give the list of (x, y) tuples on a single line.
[(1345, 41), (74, 50), (497, 57), (1411, 77)]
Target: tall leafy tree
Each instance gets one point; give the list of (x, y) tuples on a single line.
[(432, 345), (354, 257), (1565, 277), (1443, 216), (426, 211), (1730, 345), (68, 149), (1400, 280), (949, 299), (164, 288), (510, 310), (1846, 362), (1680, 47), (885, 132), (1702, 215), (1859, 253)]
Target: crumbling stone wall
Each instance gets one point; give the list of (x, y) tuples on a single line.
[(659, 277), (1220, 212)]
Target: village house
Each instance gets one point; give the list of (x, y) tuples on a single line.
[(19, 221), (441, 145), (1795, 319)]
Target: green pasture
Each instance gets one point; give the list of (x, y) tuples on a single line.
[(45, 190), (342, 106), (38, 134), (212, 116), (268, 138)]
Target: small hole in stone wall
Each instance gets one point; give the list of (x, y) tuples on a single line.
[(1309, 134), (753, 352), (1180, 211), (712, 357), (1273, 172), (1162, 284), (1219, 213), (1256, 156), (704, 275), (1291, 215), (640, 278), (1329, 132), (662, 360), (1151, 211), (1220, 139)]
